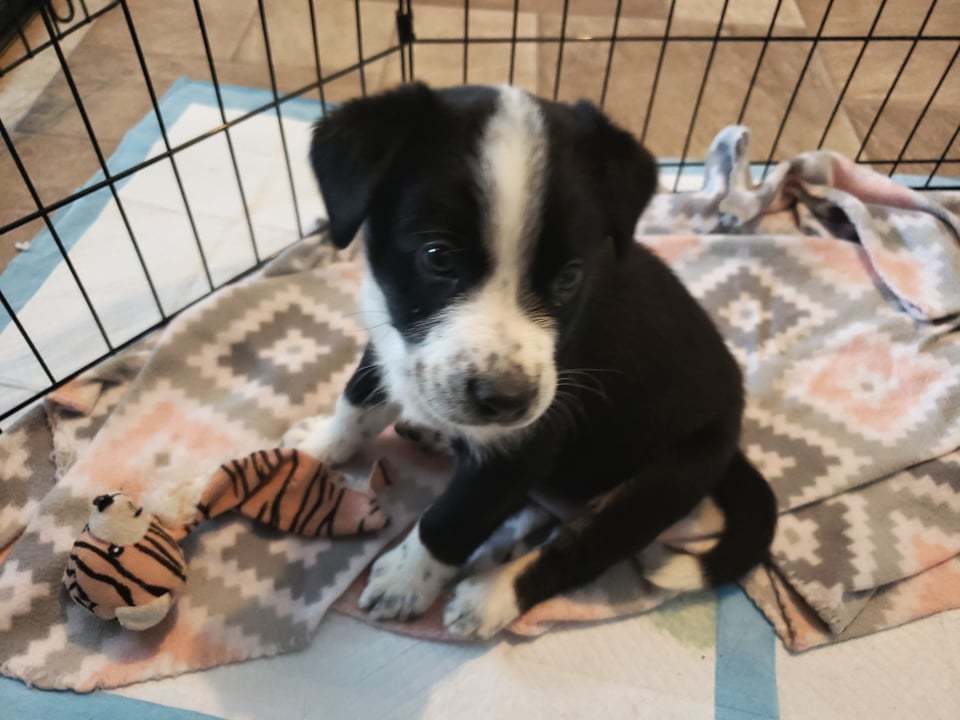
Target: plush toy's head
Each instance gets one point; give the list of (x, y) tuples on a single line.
[(125, 564)]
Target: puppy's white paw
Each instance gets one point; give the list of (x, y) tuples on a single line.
[(481, 607), (405, 582), (323, 438)]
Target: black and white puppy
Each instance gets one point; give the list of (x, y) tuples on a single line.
[(509, 308)]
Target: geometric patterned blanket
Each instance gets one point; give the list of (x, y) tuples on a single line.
[(838, 291)]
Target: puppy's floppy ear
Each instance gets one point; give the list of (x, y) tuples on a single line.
[(354, 147), (623, 173)]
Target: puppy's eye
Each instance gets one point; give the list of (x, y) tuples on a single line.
[(566, 282), (115, 550), (437, 258)]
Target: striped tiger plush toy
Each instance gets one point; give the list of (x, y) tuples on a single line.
[(127, 563)]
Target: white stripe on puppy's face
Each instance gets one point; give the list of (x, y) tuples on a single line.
[(488, 334), (511, 173)]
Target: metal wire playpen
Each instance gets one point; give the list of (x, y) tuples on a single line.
[(877, 80)]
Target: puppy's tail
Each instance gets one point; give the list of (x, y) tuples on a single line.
[(748, 513)]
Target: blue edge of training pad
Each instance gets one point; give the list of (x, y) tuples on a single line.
[(745, 671), (27, 272)]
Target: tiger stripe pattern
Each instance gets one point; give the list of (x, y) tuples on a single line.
[(127, 564), (101, 574), (287, 490)]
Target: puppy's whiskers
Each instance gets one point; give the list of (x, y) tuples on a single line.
[(567, 379), (371, 328), (561, 413), (365, 370), (367, 312)]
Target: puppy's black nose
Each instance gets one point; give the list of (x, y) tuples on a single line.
[(500, 398), (102, 502)]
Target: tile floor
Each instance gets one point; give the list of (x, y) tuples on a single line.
[(37, 108)]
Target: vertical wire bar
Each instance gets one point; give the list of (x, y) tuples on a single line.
[(703, 86), (316, 55), (35, 196), (403, 50), (26, 337), (896, 80), (923, 113), (853, 71), (613, 46), (513, 39), (360, 60), (86, 12), (756, 69), (563, 42), (145, 72), (796, 89), (101, 158), (656, 74), (46, 6), (466, 39), (413, 75), (211, 64), (279, 113), (943, 156)]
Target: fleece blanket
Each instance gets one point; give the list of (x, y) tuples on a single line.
[(825, 266)]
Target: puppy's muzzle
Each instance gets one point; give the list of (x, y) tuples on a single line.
[(500, 398)]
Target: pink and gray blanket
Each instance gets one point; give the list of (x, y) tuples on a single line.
[(838, 291)]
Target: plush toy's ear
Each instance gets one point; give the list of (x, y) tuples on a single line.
[(353, 149), (623, 173), (142, 617)]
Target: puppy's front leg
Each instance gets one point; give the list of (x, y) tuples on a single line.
[(407, 580), (361, 413)]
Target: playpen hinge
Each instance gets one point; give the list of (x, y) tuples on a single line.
[(405, 27)]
